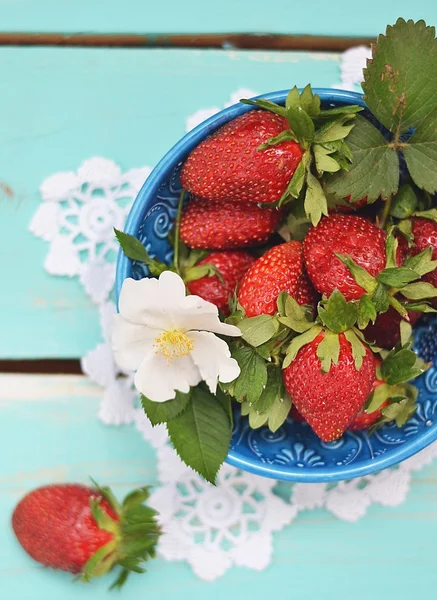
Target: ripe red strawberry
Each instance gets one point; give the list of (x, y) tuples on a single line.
[(280, 269), (364, 420), (228, 164), (63, 526), (385, 332), (330, 401), (425, 235), (227, 224), (232, 265), (343, 234)]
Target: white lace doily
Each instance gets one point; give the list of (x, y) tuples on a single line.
[(212, 528)]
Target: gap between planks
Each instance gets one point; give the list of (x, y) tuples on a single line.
[(226, 41)]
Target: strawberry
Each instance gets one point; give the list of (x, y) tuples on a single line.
[(232, 265), (280, 269), (82, 530), (364, 420), (348, 235), (227, 224), (385, 332), (425, 235), (228, 164), (330, 401)]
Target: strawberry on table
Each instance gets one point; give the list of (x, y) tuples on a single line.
[(349, 235), (82, 530), (231, 265), (280, 269), (229, 164), (329, 401), (227, 224)]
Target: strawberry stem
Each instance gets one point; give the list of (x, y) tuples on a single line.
[(177, 232)]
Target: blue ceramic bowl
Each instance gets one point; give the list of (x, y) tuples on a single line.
[(294, 452)]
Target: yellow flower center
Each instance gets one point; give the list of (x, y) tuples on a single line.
[(173, 344)]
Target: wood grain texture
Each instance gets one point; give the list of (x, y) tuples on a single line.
[(59, 107), (50, 433), (197, 16)]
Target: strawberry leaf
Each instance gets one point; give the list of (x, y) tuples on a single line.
[(366, 311), (421, 154), (250, 383), (374, 171), (422, 263), (404, 203), (201, 434), (419, 291), (397, 277), (299, 342), (315, 200), (258, 330), (357, 347), (398, 91), (162, 412), (337, 314), (328, 351)]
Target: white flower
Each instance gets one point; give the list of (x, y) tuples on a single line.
[(168, 338)]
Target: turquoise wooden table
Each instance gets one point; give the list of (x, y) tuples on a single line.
[(60, 106)]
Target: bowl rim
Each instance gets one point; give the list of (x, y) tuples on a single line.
[(135, 217)]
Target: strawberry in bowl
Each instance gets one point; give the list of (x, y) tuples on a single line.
[(264, 296)]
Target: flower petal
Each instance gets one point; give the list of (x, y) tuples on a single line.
[(131, 342), (212, 357), (195, 314), (157, 379)]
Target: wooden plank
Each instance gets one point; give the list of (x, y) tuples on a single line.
[(59, 107), (197, 16), (49, 432)]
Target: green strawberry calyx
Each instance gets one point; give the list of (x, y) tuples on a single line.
[(321, 134), (135, 535)]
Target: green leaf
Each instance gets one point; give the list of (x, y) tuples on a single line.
[(250, 383), (380, 298), (328, 351), (337, 314), (298, 342), (375, 166), (201, 434), (401, 366), (296, 184), (162, 412), (421, 155), (266, 105), (348, 109), (361, 276), (334, 130), (357, 346), (309, 102), (398, 91), (418, 291), (324, 162), (427, 214), (301, 125), (315, 200), (134, 249), (422, 263), (278, 413), (404, 203), (366, 311), (380, 394), (284, 136), (400, 411), (274, 389), (397, 277), (258, 330)]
